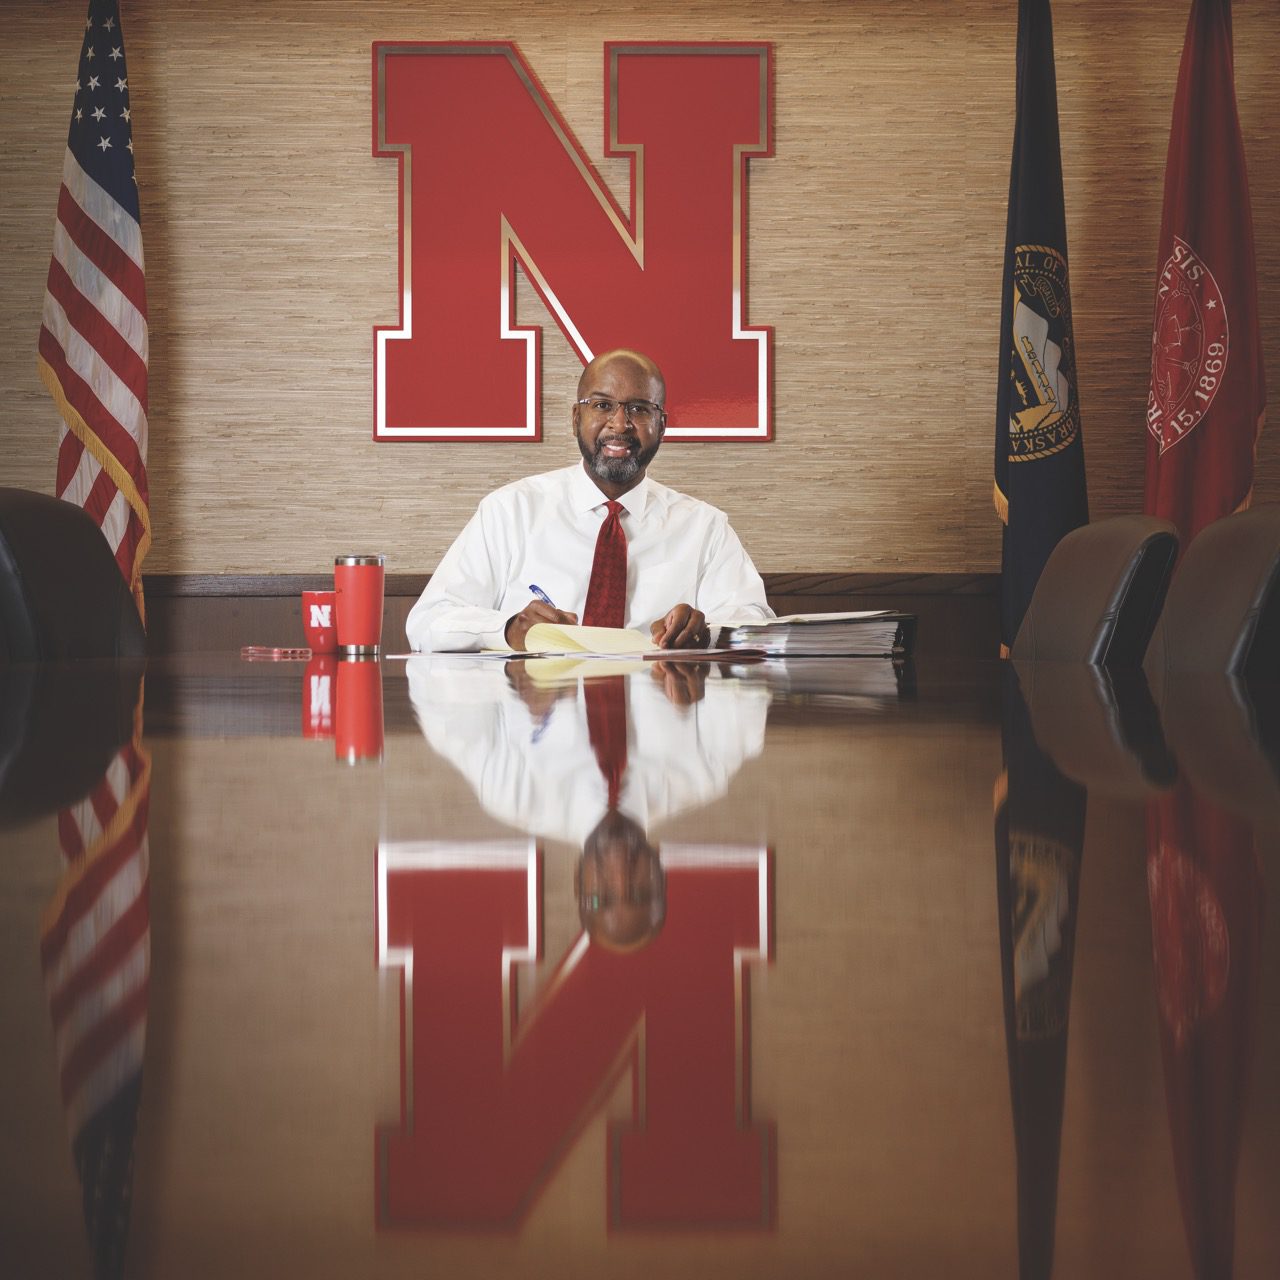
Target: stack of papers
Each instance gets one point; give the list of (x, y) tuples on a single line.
[(869, 633)]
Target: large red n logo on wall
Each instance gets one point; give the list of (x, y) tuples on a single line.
[(490, 175), (493, 1095)]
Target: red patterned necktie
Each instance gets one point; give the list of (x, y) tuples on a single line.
[(607, 593), (607, 730)]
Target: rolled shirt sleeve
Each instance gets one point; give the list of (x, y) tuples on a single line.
[(729, 588), (458, 610)]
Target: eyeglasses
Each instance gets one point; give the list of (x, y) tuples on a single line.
[(640, 413), (631, 896)]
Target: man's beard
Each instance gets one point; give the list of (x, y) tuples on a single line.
[(617, 470)]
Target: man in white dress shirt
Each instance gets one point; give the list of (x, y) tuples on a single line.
[(686, 571)]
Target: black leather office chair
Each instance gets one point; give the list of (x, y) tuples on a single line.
[(1100, 594), (61, 594), (60, 725), (1223, 610)]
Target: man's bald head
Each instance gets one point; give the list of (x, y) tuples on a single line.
[(636, 359)]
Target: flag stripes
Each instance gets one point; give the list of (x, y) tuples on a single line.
[(119, 223), (112, 342), (86, 243), (95, 944), (94, 343), (95, 947)]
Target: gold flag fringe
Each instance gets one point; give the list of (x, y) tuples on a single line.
[(113, 467)]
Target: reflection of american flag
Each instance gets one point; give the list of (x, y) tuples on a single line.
[(93, 332), (95, 951)]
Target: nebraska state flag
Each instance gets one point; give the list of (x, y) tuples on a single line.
[(1039, 456), (1208, 391)]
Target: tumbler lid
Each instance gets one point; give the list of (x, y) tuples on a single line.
[(359, 560)]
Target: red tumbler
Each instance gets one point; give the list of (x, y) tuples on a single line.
[(357, 583)]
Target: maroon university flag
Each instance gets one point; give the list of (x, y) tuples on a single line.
[(1208, 391)]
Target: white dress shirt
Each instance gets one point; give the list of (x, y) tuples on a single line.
[(540, 775), (542, 530)]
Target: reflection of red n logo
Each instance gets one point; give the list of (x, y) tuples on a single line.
[(493, 1095), (491, 175)]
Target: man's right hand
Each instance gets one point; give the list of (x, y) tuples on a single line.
[(535, 611)]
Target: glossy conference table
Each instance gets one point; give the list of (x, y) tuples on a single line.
[(358, 972)]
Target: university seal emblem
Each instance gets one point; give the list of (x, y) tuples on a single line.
[(1189, 345), (1044, 413)]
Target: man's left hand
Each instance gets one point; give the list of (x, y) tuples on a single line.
[(684, 627)]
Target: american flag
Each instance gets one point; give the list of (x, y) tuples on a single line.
[(95, 952), (93, 332)]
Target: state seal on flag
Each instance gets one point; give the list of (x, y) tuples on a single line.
[(1189, 346), (1044, 412)]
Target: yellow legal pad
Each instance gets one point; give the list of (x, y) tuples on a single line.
[(555, 637)]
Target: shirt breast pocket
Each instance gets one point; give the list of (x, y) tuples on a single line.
[(660, 586)]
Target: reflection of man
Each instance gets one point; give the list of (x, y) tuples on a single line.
[(539, 760), (606, 544), (620, 885)]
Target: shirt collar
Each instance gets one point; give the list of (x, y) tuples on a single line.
[(584, 495)]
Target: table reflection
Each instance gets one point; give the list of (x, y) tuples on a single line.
[(690, 969), (65, 751), (1207, 893), (654, 989), (552, 753), (1204, 824)]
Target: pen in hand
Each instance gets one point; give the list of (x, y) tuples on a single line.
[(539, 609)]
